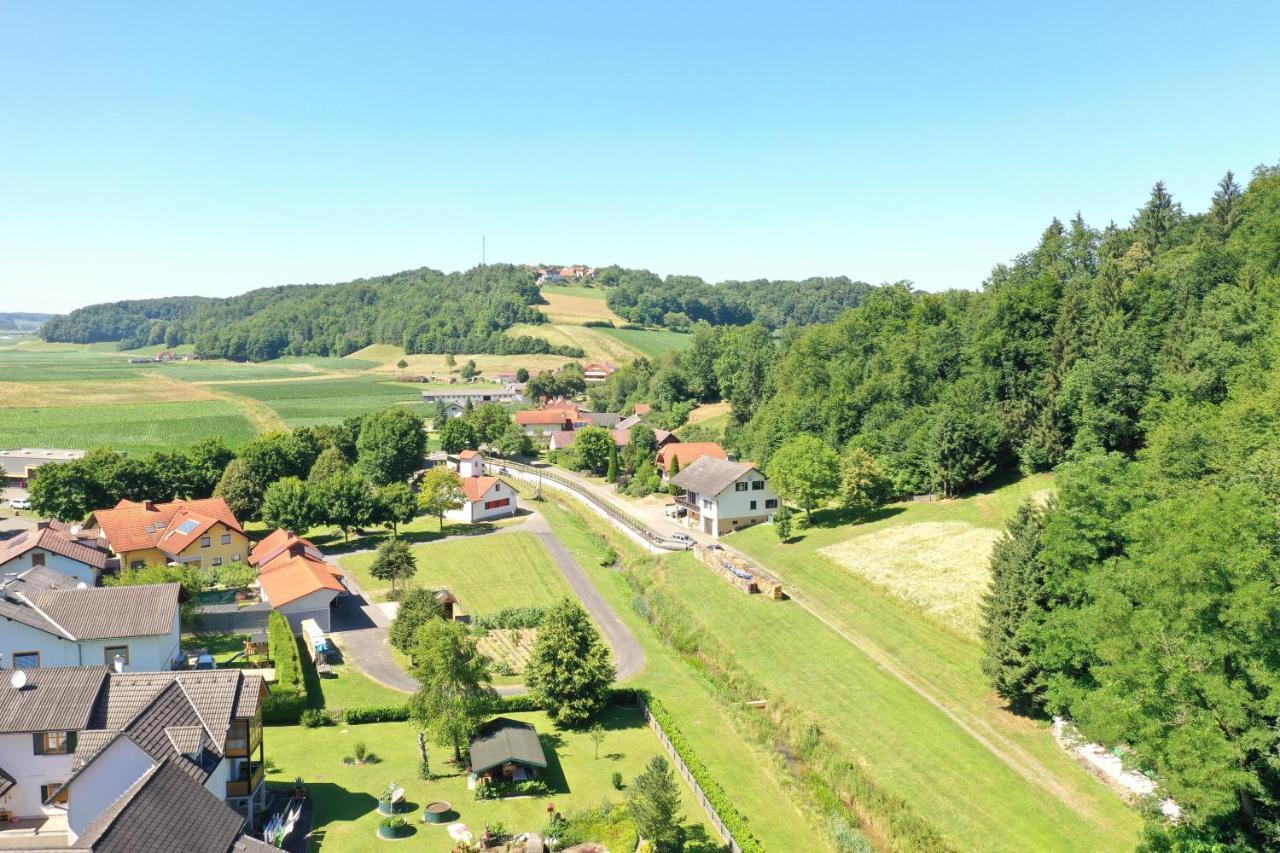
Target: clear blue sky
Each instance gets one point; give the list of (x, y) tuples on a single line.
[(149, 149)]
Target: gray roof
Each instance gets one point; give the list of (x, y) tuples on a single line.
[(710, 476), (99, 613), (603, 419), (216, 695), (503, 741), (163, 811), (16, 593), (629, 421), (54, 699)]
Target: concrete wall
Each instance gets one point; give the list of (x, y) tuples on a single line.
[(19, 760), (312, 606)]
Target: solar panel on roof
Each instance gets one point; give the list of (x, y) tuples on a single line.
[(188, 525)]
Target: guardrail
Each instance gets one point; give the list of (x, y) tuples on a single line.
[(608, 508)]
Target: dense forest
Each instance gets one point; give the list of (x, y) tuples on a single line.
[(22, 321), (422, 310), (640, 296), (1139, 363)]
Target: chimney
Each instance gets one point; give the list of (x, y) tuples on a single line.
[(149, 506), (42, 525)]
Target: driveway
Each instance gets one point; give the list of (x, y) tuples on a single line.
[(361, 627)]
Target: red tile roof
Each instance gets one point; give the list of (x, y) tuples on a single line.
[(527, 417), (295, 578), (468, 454), (133, 526), (643, 408), (281, 541), (475, 488), (687, 452)]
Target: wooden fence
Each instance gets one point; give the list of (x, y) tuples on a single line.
[(683, 769)]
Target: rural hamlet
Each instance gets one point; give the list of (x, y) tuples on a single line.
[(678, 428)]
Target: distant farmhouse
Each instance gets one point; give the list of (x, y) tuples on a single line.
[(17, 466), (456, 399)]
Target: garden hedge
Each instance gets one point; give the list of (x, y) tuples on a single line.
[(288, 697)]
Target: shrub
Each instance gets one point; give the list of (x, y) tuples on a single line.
[(284, 651), (284, 705), (376, 714), (314, 718), (598, 324), (518, 704), (617, 781), (606, 824), (394, 822), (512, 617), (608, 557), (360, 751)]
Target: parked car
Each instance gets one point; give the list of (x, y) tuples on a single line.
[(20, 503), (206, 662), (682, 537)]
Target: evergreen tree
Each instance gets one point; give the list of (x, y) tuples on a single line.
[(782, 523), (569, 670), (611, 475), (1225, 212), (1157, 218), (1013, 605), (654, 802)]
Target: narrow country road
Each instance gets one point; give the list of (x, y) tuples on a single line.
[(360, 627)]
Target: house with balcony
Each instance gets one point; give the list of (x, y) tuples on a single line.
[(48, 619), (89, 754), (203, 533), (722, 496)]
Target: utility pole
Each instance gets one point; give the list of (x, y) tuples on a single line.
[(482, 250)]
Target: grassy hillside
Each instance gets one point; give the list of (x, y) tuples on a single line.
[(650, 342), (575, 305)]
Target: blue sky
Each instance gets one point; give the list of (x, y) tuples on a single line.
[(174, 148)]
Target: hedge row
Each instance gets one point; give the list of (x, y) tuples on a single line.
[(512, 617), (733, 819), (360, 714), (288, 697)]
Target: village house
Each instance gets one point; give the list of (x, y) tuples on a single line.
[(51, 619), (97, 759), (203, 533), (461, 396), (598, 371), (295, 579), (17, 466), (542, 422), (722, 496), (483, 497), (58, 546), (686, 453)]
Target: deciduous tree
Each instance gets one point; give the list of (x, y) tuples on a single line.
[(454, 693), (805, 471), (569, 670)]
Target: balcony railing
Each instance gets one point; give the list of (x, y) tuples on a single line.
[(250, 779)]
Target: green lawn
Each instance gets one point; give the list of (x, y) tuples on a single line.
[(486, 573), (573, 290), (911, 747), (139, 429), (346, 796), (752, 777), (651, 342)]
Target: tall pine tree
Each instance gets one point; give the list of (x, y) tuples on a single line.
[(1015, 600)]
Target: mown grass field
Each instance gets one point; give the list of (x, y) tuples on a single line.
[(486, 573), (594, 341), (912, 702), (575, 305), (346, 796), (650, 342)]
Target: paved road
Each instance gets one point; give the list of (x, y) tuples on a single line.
[(361, 627)]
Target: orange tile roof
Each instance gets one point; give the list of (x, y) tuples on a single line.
[(131, 526), (687, 452), (468, 454), (643, 408), (280, 542), (475, 488), (295, 578), (527, 417)]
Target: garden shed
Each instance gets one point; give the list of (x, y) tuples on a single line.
[(507, 750)]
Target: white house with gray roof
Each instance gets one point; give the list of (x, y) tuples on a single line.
[(95, 759), (722, 496), (51, 619), (55, 546)]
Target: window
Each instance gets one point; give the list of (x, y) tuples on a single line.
[(46, 791), (226, 539), (235, 558), (206, 541), (757, 485), (706, 504), (740, 486), (37, 558), (753, 504), (496, 504), (771, 503), (217, 561), (54, 743), (138, 564), (110, 652), (26, 660)]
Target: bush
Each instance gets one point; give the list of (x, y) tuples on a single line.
[(360, 751), (617, 781), (376, 714), (314, 718), (512, 617), (598, 324), (518, 704), (606, 824), (283, 706), (284, 651), (608, 557), (486, 790)]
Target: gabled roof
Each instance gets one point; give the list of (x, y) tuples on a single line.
[(687, 452), (15, 598), (297, 577), (101, 613), (629, 421), (218, 696), (622, 437), (6, 782), (709, 475), (55, 542), (468, 454), (57, 698), (163, 806), (531, 417), (280, 542), (504, 740), (131, 526), (475, 488)]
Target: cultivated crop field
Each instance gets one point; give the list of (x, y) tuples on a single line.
[(940, 567), (311, 402), (510, 647), (650, 342), (140, 428)]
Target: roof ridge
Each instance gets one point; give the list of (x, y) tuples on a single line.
[(127, 796)]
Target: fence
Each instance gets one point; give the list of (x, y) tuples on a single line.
[(606, 507), (698, 793)]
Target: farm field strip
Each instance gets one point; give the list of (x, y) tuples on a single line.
[(142, 428), (593, 341), (574, 305), (650, 342)]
